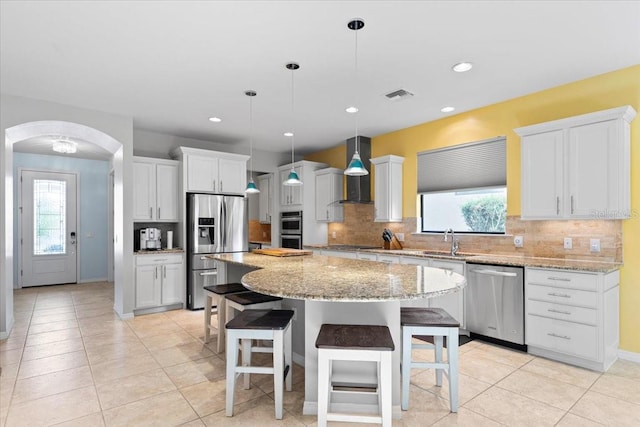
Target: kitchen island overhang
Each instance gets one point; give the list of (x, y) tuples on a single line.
[(334, 290)]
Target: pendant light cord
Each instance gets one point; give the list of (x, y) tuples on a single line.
[(293, 118), (251, 133), (355, 85)]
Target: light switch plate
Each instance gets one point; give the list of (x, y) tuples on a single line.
[(400, 236), (594, 245)]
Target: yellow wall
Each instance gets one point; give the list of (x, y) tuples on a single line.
[(609, 90)]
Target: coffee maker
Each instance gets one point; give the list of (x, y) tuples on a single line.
[(150, 239)]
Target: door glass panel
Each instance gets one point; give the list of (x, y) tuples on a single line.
[(49, 219)]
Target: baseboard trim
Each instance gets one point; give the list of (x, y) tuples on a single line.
[(297, 359), (123, 316), (5, 334), (629, 355), (98, 279)]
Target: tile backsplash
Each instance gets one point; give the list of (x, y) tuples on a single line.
[(259, 232), (541, 238)]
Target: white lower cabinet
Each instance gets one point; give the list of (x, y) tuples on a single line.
[(452, 303), (367, 256), (339, 254), (572, 316), (159, 280)]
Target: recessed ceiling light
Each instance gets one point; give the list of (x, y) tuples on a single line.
[(351, 110), (288, 134), (447, 109), (461, 67), (215, 119)]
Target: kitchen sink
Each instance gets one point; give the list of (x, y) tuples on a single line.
[(438, 253)]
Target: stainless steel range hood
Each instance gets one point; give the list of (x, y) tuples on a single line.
[(359, 187)]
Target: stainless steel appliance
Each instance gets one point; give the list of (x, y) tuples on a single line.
[(150, 238), (495, 303), (291, 230), (291, 222), (216, 224)]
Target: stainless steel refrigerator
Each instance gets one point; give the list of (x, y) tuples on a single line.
[(216, 224)]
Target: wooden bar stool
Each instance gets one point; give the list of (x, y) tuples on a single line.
[(252, 300), (216, 295), (252, 325), (439, 324), (370, 343)]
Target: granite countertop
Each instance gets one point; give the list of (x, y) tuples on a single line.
[(324, 278), (159, 251), (495, 259)]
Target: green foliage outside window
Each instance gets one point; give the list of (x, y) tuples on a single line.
[(486, 215)]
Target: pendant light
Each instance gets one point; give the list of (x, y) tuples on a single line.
[(293, 180), (251, 186), (356, 168)]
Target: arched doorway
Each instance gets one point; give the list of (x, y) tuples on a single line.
[(39, 129)]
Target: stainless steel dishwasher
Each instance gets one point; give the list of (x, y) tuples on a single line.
[(495, 303)]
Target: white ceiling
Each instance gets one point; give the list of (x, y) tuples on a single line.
[(172, 64)]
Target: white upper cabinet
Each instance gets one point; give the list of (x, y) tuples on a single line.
[(213, 171), (388, 188), (302, 197), (577, 167), (291, 196), (328, 195), (264, 185), (155, 188)]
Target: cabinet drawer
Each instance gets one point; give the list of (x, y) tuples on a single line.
[(562, 279), (562, 295), (369, 257), (564, 337), (389, 259), (158, 259), (563, 312)]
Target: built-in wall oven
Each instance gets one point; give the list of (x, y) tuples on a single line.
[(291, 229)]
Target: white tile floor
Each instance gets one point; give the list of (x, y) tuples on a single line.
[(70, 361)]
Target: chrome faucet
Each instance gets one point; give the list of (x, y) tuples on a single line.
[(454, 241)]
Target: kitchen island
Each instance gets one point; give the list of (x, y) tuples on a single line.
[(334, 290)]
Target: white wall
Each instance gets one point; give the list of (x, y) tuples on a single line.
[(93, 201), (17, 111), (153, 144)]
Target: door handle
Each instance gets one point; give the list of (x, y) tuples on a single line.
[(209, 273), (495, 273), (150, 212), (159, 213), (572, 203), (72, 237)]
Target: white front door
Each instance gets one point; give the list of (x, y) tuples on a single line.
[(48, 228)]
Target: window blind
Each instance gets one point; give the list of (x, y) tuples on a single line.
[(473, 165)]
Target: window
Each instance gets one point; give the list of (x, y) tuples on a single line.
[(464, 188), (49, 201)]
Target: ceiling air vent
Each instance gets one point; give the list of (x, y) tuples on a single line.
[(398, 94)]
